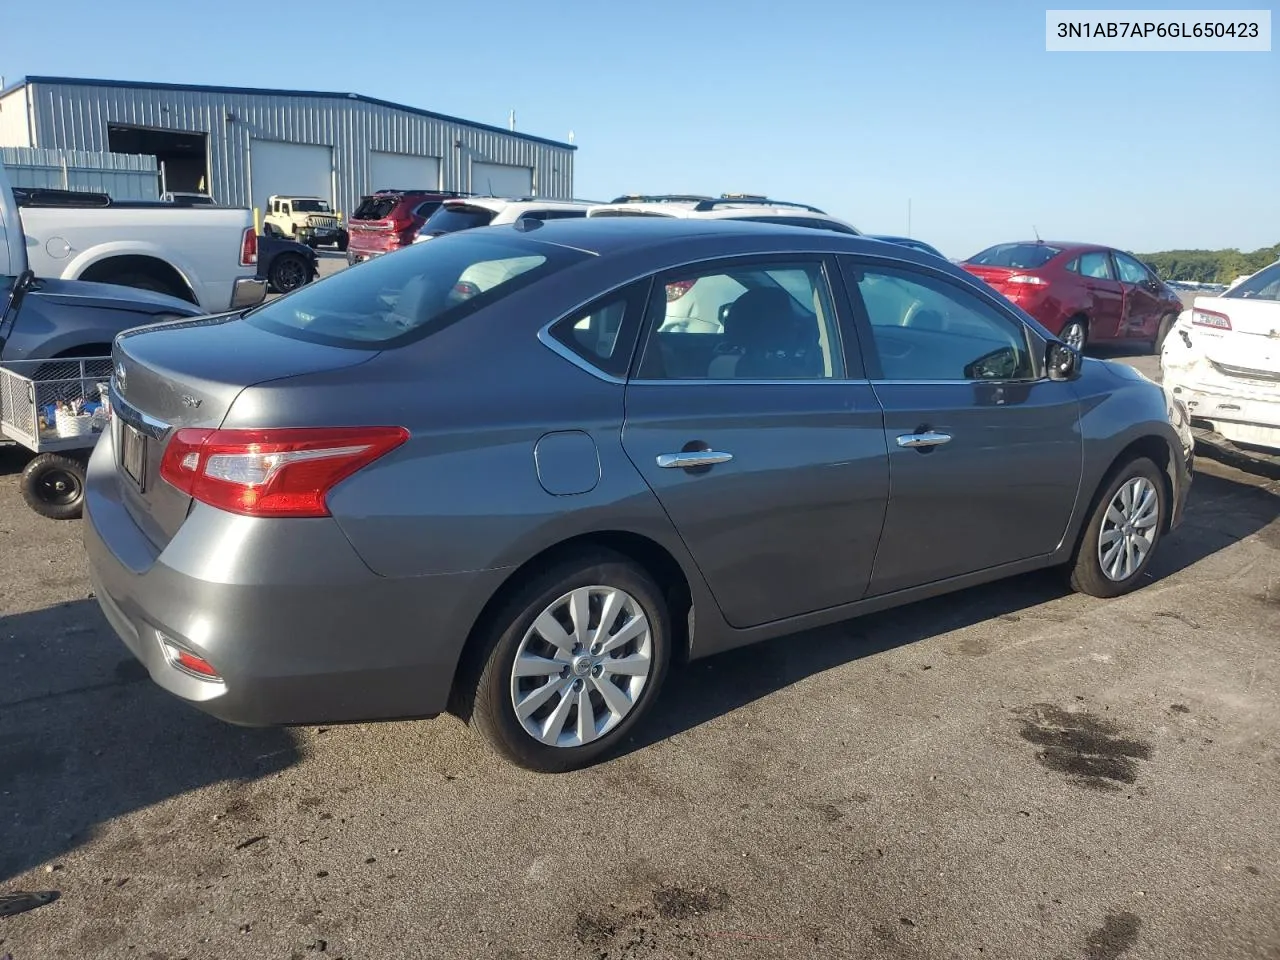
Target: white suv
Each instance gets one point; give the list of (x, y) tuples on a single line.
[(467, 212), (728, 206)]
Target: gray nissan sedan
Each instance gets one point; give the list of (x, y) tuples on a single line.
[(518, 472)]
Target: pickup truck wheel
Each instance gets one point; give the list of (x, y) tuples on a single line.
[(343, 239), (53, 486), (145, 281), (288, 272)]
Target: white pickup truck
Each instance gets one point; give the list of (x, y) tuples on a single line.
[(203, 254)]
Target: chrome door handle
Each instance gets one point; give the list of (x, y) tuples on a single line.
[(927, 439), (692, 458)]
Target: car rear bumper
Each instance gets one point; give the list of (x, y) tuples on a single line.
[(297, 627), (1241, 410), (248, 292)]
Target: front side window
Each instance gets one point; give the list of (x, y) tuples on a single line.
[(925, 328), (1263, 285), (755, 321), (394, 300), (1131, 271), (1095, 264)]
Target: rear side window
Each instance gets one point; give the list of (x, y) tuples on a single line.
[(553, 214), (1020, 256), (604, 333), (390, 301), (451, 218), (427, 208), (1095, 264)]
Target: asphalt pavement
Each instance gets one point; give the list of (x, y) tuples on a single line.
[(1013, 771)]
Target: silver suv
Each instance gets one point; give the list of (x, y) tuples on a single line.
[(728, 206)]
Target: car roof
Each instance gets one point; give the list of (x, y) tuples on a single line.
[(608, 236), (502, 203)]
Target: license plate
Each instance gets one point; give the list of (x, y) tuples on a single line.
[(133, 453)]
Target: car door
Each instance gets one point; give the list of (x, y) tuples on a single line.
[(1142, 305), (984, 451), (1104, 291), (750, 419)]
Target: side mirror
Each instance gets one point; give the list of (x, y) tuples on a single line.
[(1062, 362)]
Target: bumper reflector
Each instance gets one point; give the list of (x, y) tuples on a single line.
[(186, 661)]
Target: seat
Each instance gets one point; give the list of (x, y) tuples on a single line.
[(758, 334)]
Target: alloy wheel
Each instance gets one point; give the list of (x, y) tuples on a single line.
[(582, 666), (1073, 335), (1128, 529)]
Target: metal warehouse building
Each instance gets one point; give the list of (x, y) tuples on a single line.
[(241, 145)]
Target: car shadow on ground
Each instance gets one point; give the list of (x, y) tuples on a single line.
[(1221, 511), (86, 737)]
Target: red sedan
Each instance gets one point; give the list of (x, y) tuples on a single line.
[(1081, 292)]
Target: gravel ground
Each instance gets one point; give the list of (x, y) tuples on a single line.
[(1009, 772)]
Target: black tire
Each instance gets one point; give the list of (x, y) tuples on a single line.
[(1083, 324), (491, 709), (288, 272), (146, 281), (266, 230), (344, 238), (1162, 334), (53, 486), (1087, 574)]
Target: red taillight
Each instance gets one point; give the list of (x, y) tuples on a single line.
[(249, 248), (1210, 318), (678, 289), (272, 473)]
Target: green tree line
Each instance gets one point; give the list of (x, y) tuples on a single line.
[(1209, 266)]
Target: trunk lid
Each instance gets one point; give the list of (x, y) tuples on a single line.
[(994, 276), (187, 374), (1251, 348)]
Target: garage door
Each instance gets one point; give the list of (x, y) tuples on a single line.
[(298, 169), (501, 180), (400, 171)]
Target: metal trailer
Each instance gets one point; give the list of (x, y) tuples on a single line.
[(57, 409)]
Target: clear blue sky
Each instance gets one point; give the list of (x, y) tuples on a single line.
[(853, 107)]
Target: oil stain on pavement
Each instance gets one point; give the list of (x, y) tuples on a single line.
[(1090, 751)]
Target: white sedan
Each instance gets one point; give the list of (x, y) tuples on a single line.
[(1222, 360)]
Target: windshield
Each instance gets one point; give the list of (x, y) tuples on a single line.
[(393, 300), (1020, 256), (453, 217), (310, 206), (1263, 285)]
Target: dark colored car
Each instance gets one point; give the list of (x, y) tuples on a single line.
[(286, 264), (913, 244), (502, 473), (389, 220), (1083, 293)]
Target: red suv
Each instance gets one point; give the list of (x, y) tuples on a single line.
[(1081, 292), (389, 219)]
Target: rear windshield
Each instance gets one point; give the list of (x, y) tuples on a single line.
[(393, 300), (375, 208), (1021, 256), (453, 217), (1263, 285)]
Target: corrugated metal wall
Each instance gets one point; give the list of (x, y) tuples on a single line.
[(74, 116), (14, 128), (121, 176)]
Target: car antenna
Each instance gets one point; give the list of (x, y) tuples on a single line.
[(1037, 233)]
